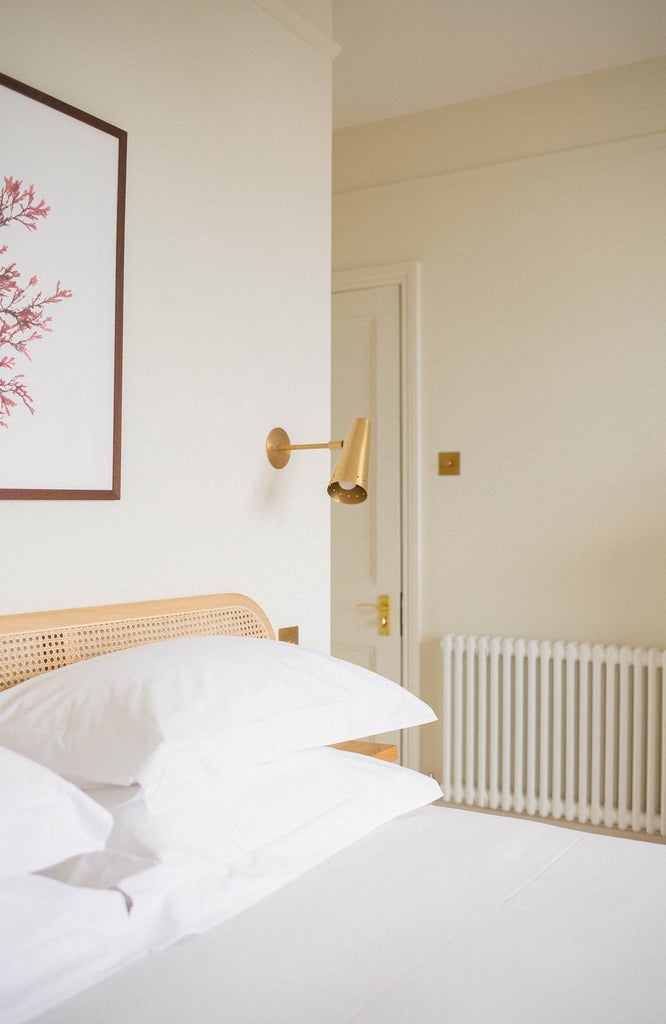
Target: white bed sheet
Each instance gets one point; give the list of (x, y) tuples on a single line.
[(584, 942), (439, 916), (55, 940)]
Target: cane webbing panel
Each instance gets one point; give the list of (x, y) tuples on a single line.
[(32, 652)]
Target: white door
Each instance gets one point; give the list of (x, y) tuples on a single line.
[(366, 539)]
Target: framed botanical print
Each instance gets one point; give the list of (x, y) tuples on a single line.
[(62, 211)]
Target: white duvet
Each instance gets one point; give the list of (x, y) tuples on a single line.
[(55, 940), (438, 917)]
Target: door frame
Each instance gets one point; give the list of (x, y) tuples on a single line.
[(406, 277)]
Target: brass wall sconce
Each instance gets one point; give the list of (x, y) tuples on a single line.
[(350, 477)]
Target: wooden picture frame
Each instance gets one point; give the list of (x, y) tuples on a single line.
[(62, 216)]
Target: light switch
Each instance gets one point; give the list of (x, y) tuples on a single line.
[(449, 463)]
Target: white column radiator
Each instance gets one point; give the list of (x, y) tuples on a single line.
[(566, 731)]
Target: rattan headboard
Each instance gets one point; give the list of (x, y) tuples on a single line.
[(38, 642)]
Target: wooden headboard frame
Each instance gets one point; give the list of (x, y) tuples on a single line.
[(38, 642)]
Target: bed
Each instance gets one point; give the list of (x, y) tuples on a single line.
[(174, 860)]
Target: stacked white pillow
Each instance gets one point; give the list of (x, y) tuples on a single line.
[(134, 715), (211, 754), (219, 848)]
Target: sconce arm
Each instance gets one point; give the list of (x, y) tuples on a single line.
[(302, 447)]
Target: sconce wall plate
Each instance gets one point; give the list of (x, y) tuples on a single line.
[(277, 448)]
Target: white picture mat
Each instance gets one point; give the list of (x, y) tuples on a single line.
[(68, 442)]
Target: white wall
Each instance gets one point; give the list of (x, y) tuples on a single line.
[(543, 356), (226, 310)]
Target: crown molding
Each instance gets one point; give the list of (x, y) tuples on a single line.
[(285, 14), (591, 151)]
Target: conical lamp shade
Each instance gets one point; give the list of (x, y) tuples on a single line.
[(350, 477)]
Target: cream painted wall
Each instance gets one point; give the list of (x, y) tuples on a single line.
[(543, 360), (226, 308)]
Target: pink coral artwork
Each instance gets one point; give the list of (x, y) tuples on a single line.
[(24, 309), (62, 192)]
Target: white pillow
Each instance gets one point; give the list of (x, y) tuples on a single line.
[(122, 717), (43, 818), (227, 842)]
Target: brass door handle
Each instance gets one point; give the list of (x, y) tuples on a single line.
[(384, 609)]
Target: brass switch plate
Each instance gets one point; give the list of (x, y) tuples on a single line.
[(449, 463), (289, 634)]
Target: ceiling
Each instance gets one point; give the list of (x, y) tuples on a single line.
[(400, 56)]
